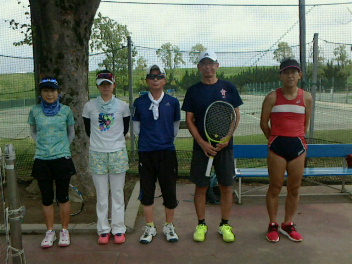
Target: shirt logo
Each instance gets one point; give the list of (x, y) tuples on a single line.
[(106, 121), (223, 93)]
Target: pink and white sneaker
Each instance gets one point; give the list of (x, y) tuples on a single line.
[(49, 239), (64, 238)]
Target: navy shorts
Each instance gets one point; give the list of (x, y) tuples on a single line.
[(288, 148), (47, 171), (223, 164), (162, 166)]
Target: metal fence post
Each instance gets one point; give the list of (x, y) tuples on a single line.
[(16, 212)]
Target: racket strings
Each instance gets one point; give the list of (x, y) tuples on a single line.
[(219, 121)]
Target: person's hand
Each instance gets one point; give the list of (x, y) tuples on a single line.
[(220, 146), (208, 149)]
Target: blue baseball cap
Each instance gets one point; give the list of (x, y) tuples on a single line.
[(49, 82)]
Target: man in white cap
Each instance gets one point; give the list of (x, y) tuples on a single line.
[(156, 120), (197, 99)]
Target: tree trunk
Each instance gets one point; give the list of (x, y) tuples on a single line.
[(61, 32)]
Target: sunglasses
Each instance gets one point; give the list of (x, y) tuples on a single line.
[(204, 64), (153, 76), (108, 76)]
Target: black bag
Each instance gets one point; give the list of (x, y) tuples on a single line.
[(213, 192)]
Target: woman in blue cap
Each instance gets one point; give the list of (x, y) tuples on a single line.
[(52, 128)]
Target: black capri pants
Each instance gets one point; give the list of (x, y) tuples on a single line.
[(162, 166), (49, 171)]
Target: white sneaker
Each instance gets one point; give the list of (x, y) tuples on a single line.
[(49, 239), (149, 233), (169, 232), (64, 238)]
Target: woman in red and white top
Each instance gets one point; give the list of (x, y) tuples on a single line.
[(285, 120)]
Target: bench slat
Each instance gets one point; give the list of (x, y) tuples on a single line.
[(263, 172), (314, 151)]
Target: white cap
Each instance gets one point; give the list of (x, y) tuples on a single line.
[(100, 81), (156, 67), (105, 77), (208, 54)]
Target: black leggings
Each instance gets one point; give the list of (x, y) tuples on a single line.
[(47, 190)]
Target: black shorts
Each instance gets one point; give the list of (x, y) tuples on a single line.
[(61, 168), (223, 164), (162, 166), (288, 148)]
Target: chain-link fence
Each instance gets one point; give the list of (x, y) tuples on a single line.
[(248, 38)]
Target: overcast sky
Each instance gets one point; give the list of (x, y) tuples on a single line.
[(223, 29)]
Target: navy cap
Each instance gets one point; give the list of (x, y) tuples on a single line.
[(289, 63), (49, 82)]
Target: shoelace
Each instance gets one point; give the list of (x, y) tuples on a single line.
[(171, 230), (226, 227), (49, 235), (201, 226), (290, 228), (64, 235), (147, 230), (274, 228)]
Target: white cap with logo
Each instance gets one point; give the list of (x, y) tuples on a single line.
[(208, 54)]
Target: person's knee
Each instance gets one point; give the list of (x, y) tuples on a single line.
[(226, 190), (62, 199), (171, 204), (47, 201), (275, 189), (146, 200), (293, 190), (201, 190)]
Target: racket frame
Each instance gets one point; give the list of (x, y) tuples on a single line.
[(224, 139)]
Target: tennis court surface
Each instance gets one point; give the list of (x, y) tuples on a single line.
[(324, 221)]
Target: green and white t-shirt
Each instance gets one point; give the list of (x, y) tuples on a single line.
[(52, 137)]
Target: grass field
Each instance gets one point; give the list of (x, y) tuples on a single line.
[(20, 86), (333, 118), (25, 149)]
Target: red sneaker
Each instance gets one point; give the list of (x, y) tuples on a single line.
[(290, 231), (273, 232), (119, 238), (104, 239)]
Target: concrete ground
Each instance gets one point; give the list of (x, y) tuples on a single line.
[(325, 222)]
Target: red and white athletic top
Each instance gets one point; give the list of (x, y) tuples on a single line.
[(287, 117)]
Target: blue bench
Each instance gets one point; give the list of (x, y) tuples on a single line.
[(314, 151)]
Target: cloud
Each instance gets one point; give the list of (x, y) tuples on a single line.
[(236, 32)]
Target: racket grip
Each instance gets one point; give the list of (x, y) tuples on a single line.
[(210, 163)]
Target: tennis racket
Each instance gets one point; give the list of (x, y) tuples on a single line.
[(76, 200), (219, 125)]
